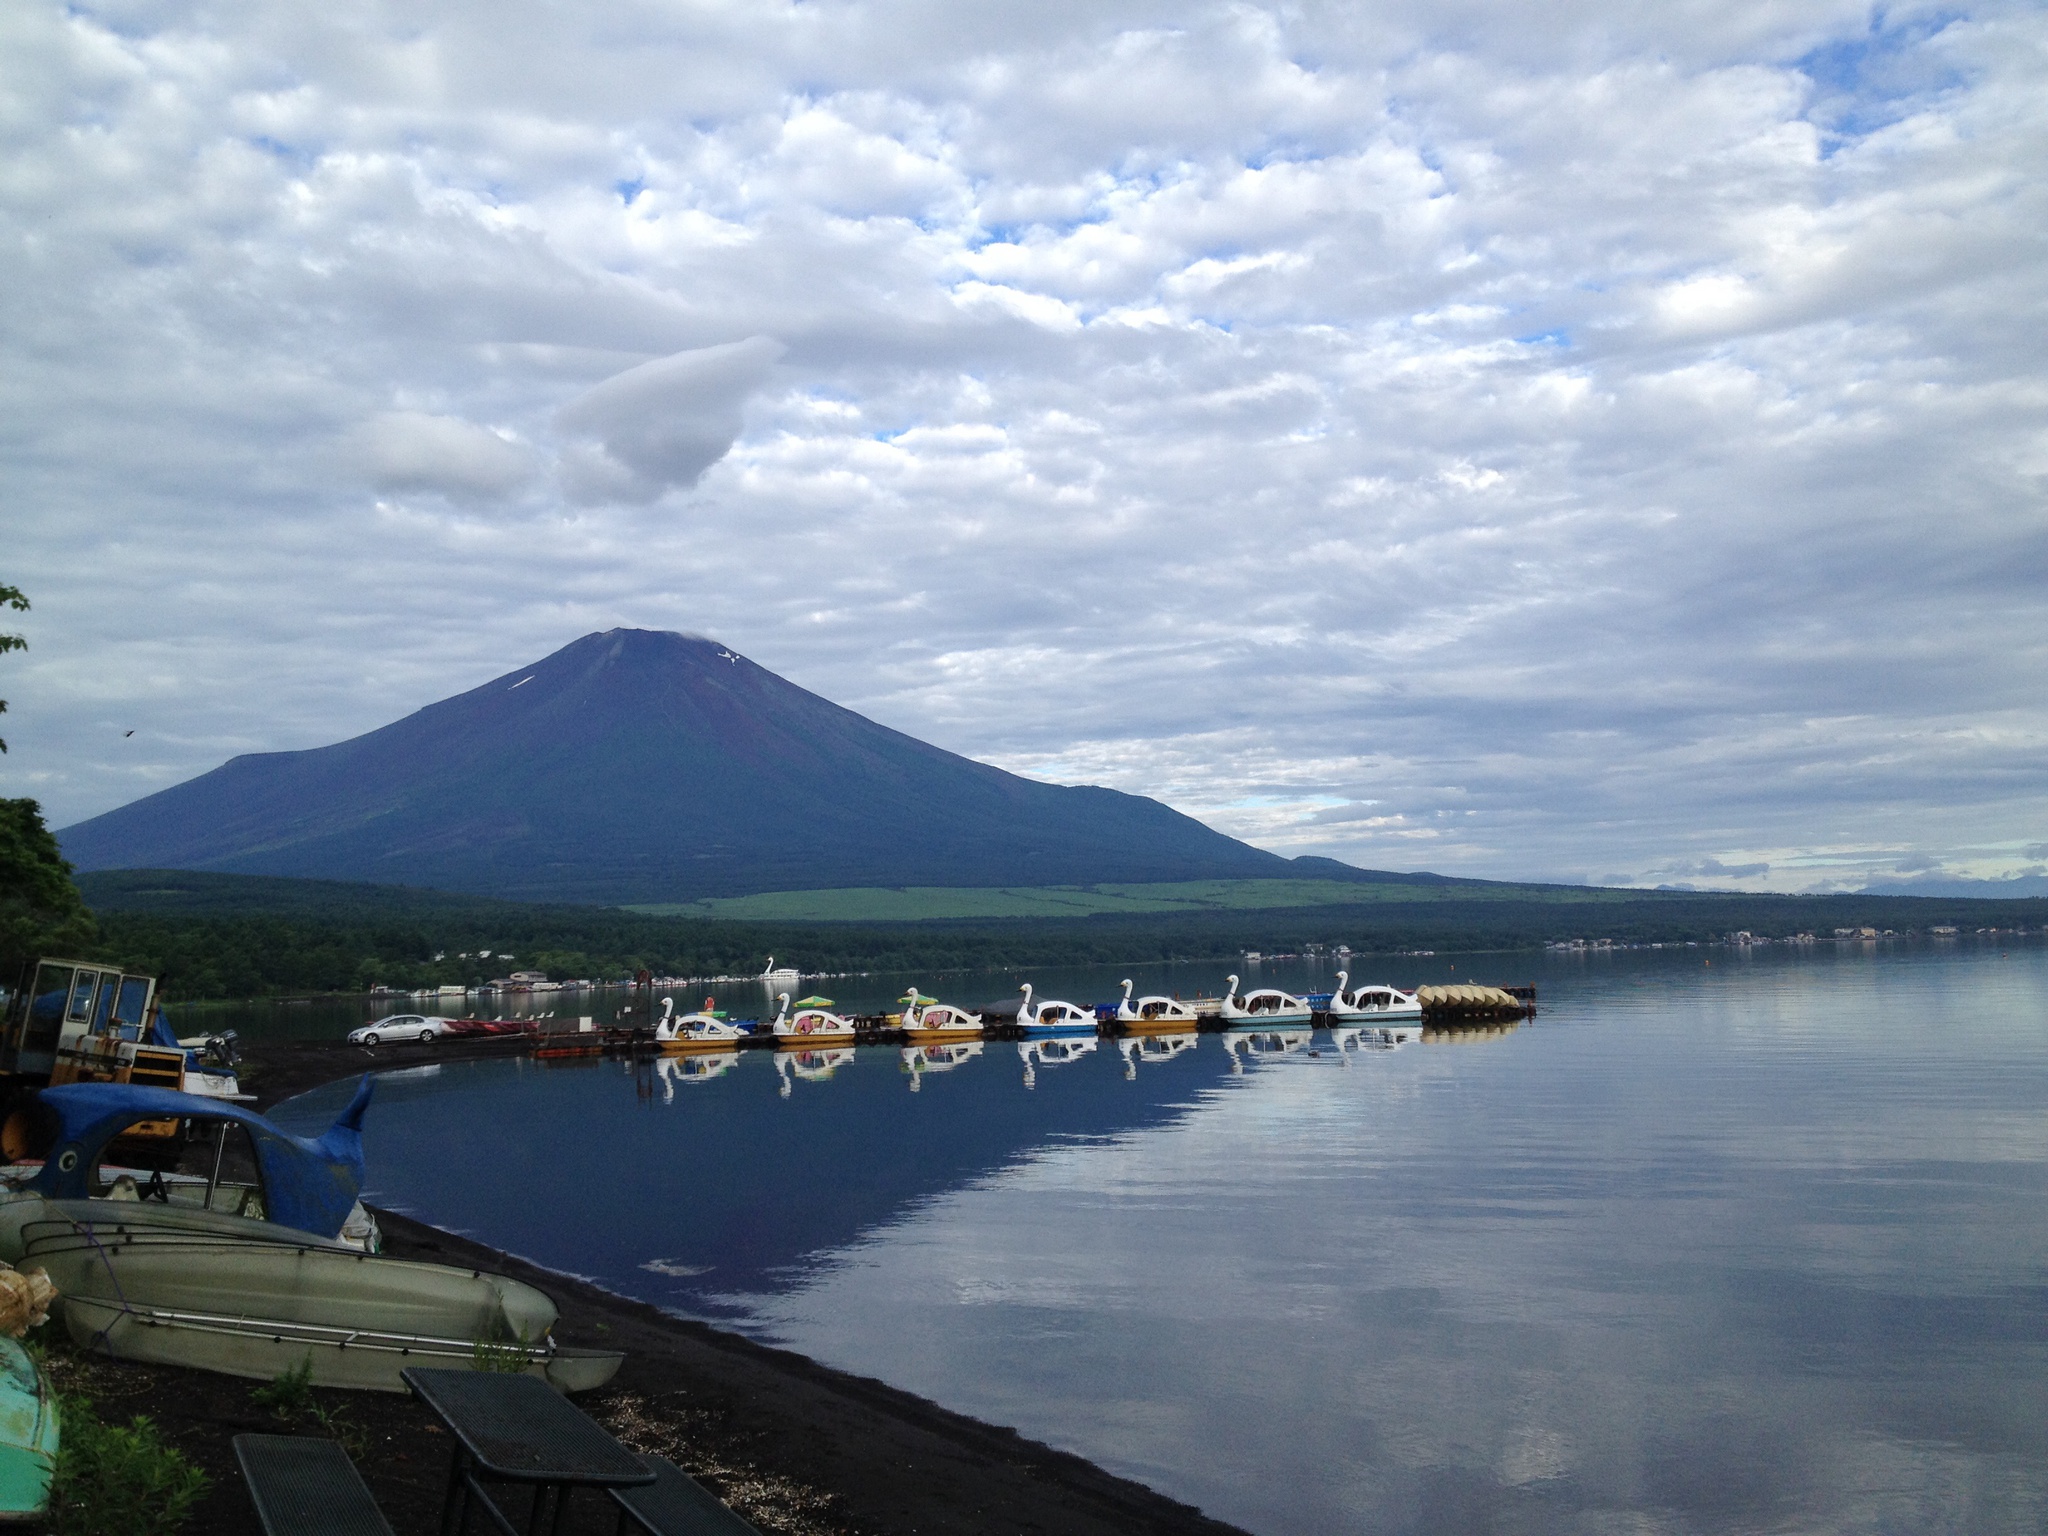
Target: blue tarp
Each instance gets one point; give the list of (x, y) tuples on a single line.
[(308, 1185)]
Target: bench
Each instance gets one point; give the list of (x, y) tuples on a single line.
[(306, 1487), (676, 1504)]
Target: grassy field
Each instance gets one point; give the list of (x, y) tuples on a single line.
[(924, 903)]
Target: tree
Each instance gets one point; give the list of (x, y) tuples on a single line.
[(10, 597), (41, 912)]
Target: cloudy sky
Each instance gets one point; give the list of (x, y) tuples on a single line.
[(1584, 441)]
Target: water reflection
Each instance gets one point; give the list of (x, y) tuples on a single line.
[(1053, 1052), (697, 1067), (1702, 1249), (812, 1066)]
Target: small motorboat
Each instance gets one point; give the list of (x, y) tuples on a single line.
[(1244, 1044), (941, 1057), (1055, 1051), (809, 1063), (1268, 1005), (1150, 1048), (926, 1018), (1169, 1014), (1053, 1018), (1375, 1003), (705, 1030), (815, 1023)]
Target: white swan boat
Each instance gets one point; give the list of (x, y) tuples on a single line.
[(773, 973), (1151, 1048), (1242, 1044), (1154, 1012), (700, 1031), (810, 1063), (1268, 1005), (937, 1057), (814, 1023), (1047, 1017), (1055, 1051), (1377, 1004), (926, 1018)]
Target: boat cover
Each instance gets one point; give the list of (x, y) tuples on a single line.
[(308, 1185)]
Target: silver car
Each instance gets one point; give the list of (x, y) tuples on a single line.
[(400, 1026)]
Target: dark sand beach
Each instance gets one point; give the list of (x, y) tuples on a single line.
[(794, 1445)]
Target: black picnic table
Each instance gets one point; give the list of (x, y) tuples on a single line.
[(518, 1429)]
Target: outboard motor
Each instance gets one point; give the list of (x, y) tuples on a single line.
[(222, 1052)]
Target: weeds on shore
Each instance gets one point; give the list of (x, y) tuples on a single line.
[(289, 1397), (118, 1480)]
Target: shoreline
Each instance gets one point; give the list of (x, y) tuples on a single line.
[(792, 1443)]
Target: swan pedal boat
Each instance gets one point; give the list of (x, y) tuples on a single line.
[(1154, 1014), (926, 1018), (815, 1024), (1373, 1004), (1047, 1017), (701, 1031), (1265, 1007)]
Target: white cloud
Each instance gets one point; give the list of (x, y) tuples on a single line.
[(1602, 439)]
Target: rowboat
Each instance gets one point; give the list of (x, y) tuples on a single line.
[(259, 1309)]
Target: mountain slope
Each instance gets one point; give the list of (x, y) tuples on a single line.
[(642, 766)]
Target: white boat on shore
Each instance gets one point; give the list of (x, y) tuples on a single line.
[(1155, 1012), (1266, 1006), (1049, 1017), (1371, 1003)]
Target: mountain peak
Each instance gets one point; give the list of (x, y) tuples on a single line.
[(647, 765)]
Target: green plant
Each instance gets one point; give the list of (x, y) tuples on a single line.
[(119, 1480), (290, 1395), (502, 1353)]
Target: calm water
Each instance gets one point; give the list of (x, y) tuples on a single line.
[(1755, 1245)]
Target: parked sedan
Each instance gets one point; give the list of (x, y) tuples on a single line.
[(400, 1026)]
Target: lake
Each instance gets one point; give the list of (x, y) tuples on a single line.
[(1721, 1241)]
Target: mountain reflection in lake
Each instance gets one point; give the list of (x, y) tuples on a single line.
[(1704, 1248)]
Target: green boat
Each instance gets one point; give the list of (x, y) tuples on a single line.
[(28, 1435)]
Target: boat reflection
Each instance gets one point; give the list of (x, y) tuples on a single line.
[(1469, 1034), (813, 1066), (1347, 1040), (1052, 1052), (699, 1067), (1240, 1044), (1153, 1048), (937, 1057)]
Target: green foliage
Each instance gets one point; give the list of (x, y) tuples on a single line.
[(290, 1395), (10, 597), (502, 1353), (119, 1480), (211, 936), (41, 911)]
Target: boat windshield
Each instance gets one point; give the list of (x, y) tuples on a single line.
[(201, 1164)]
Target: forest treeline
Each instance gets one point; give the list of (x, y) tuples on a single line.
[(225, 936)]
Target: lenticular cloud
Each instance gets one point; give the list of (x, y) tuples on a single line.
[(659, 426)]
